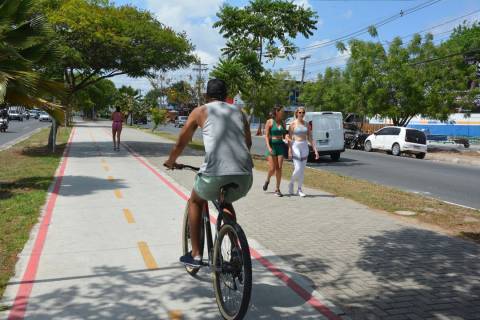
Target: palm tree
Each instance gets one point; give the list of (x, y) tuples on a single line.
[(25, 48), (234, 74)]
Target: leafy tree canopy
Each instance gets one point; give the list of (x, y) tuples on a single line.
[(99, 40), (264, 26)]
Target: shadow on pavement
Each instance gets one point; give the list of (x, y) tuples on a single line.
[(343, 162), (148, 294), (105, 149), (415, 273), (73, 186)]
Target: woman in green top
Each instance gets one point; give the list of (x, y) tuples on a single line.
[(276, 151)]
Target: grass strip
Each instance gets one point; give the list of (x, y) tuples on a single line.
[(27, 170), (454, 220), (194, 144)]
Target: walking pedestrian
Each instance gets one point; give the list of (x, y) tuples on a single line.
[(117, 121), (275, 132), (299, 134)]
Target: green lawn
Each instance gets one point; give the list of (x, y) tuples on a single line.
[(27, 171)]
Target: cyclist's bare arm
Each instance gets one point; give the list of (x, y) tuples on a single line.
[(195, 119)]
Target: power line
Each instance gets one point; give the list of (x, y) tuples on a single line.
[(333, 59), (383, 22)]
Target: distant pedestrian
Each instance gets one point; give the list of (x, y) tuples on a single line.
[(275, 132), (117, 122), (300, 133)]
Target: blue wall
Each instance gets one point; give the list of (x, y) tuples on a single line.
[(449, 129)]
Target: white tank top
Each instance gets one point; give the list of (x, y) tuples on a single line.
[(224, 141)]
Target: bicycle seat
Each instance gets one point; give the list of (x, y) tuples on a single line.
[(232, 185)]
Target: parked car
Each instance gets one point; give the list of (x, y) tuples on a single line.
[(142, 120), (289, 121), (398, 140), (35, 114), (180, 122), (14, 114), (327, 133), (44, 117)]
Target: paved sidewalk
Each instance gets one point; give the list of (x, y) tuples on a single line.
[(370, 264), (112, 246)]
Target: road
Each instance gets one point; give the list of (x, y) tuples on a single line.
[(18, 129), (448, 182)]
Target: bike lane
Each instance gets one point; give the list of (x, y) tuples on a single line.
[(112, 245)]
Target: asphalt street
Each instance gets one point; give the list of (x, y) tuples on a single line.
[(448, 182), (18, 129)]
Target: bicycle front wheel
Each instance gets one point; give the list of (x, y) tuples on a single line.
[(232, 276), (187, 242)]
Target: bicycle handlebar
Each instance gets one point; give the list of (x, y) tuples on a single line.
[(180, 166)]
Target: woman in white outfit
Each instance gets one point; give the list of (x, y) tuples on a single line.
[(300, 134)]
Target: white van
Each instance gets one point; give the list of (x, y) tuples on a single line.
[(327, 133)]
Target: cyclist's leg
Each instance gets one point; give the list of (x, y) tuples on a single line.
[(196, 205)]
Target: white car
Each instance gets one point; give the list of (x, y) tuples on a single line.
[(398, 140), (181, 121), (44, 117)]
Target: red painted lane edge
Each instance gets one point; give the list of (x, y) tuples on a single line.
[(20, 303), (305, 295)]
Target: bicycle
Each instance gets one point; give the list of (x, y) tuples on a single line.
[(229, 261)]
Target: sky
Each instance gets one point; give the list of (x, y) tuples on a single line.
[(336, 18)]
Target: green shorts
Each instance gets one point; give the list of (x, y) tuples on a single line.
[(278, 149), (208, 187)]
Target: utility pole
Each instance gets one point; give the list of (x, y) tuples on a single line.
[(200, 68), (304, 58)]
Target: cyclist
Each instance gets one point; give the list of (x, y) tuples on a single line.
[(227, 141)]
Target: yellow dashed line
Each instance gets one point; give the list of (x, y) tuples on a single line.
[(175, 315), (106, 167), (103, 161), (128, 215), (150, 262), (110, 178), (118, 194)]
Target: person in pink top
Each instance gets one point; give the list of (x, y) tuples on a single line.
[(117, 118)]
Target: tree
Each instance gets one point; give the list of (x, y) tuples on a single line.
[(330, 92), (98, 41), (159, 116), (264, 26), (273, 90), (181, 94), (233, 72), (97, 98), (25, 49), (129, 101)]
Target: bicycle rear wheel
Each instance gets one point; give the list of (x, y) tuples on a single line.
[(232, 276), (186, 241)]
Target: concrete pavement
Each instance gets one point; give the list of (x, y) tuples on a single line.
[(109, 242)]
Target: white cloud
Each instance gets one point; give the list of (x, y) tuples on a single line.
[(303, 3), (347, 15), (195, 17)]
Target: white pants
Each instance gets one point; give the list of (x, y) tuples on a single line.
[(299, 155)]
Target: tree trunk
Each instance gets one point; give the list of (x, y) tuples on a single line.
[(259, 130), (52, 137)]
